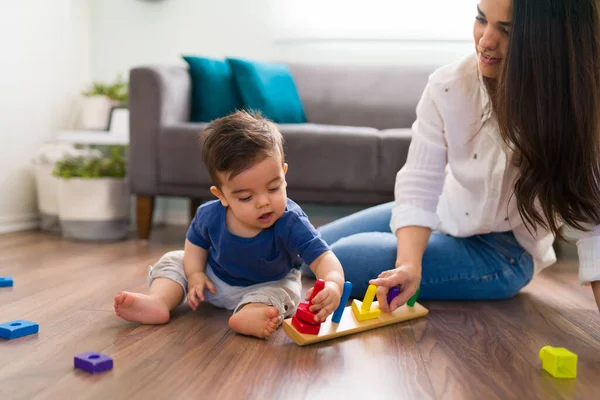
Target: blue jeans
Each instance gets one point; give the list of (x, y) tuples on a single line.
[(490, 266)]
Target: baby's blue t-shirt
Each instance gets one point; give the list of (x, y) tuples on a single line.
[(268, 256)]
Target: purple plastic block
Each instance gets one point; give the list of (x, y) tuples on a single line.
[(393, 292), (93, 362)]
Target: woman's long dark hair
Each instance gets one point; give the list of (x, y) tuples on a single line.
[(548, 106)]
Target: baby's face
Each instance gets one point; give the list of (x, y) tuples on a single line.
[(257, 197)]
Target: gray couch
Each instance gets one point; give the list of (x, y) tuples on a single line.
[(356, 140)]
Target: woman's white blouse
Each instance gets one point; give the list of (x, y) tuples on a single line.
[(458, 178)]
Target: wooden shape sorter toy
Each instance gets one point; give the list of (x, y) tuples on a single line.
[(370, 317)]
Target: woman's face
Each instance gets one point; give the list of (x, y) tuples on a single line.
[(491, 32)]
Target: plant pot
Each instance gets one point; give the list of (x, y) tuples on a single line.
[(47, 197), (47, 184), (95, 112), (94, 209)]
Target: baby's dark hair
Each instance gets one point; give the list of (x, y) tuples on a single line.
[(236, 142)]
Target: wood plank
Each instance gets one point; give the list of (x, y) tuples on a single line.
[(383, 363), (152, 361), (493, 347), (528, 325), (463, 350)]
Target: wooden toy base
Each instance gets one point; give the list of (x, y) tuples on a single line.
[(349, 324)]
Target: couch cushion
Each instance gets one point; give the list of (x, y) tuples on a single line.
[(268, 87), (331, 157), (377, 96), (214, 93), (394, 144), (179, 157), (319, 156)]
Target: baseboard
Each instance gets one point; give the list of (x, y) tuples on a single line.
[(16, 223)]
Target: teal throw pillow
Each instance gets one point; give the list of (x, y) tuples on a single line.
[(268, 88), (214, 92)]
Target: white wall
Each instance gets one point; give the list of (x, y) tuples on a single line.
[(133, 32), (45, 63)]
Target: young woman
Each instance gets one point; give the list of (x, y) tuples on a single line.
[(505, 150)]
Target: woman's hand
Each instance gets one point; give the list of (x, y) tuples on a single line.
[(407, 277)]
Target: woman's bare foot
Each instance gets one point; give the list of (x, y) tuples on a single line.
[(137, 307), (255, 319)]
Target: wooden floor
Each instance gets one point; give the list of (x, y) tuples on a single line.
[(461, 350)]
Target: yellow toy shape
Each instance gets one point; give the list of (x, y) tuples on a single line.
[(366, 310), (559, 362)]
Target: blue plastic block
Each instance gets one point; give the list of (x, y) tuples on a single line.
[(6, 281), (337, 315), (93, 362), (18, 328)]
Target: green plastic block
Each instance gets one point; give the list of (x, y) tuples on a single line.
[(411, 302)]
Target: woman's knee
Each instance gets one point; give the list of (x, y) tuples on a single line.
[(499, 285)]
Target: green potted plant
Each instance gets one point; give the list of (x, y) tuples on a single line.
[(93, 195), (98, 101)]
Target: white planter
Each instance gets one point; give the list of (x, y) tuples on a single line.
[(94, 209), (95, 112), (47, 197), (47, 184)]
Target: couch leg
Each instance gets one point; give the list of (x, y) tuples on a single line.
[(144, 211), (194, 204)]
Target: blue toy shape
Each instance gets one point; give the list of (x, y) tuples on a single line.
[(6, 281), (18, 328), (337, 315), (93, 362)]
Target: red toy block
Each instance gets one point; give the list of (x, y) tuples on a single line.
[(305, 315), (303, 327), (319, 285), (304, 319)]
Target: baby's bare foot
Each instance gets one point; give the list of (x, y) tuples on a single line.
[(137, 307), (255, 319)]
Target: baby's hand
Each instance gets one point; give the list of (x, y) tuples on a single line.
[(197, 282), (326, 301)]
